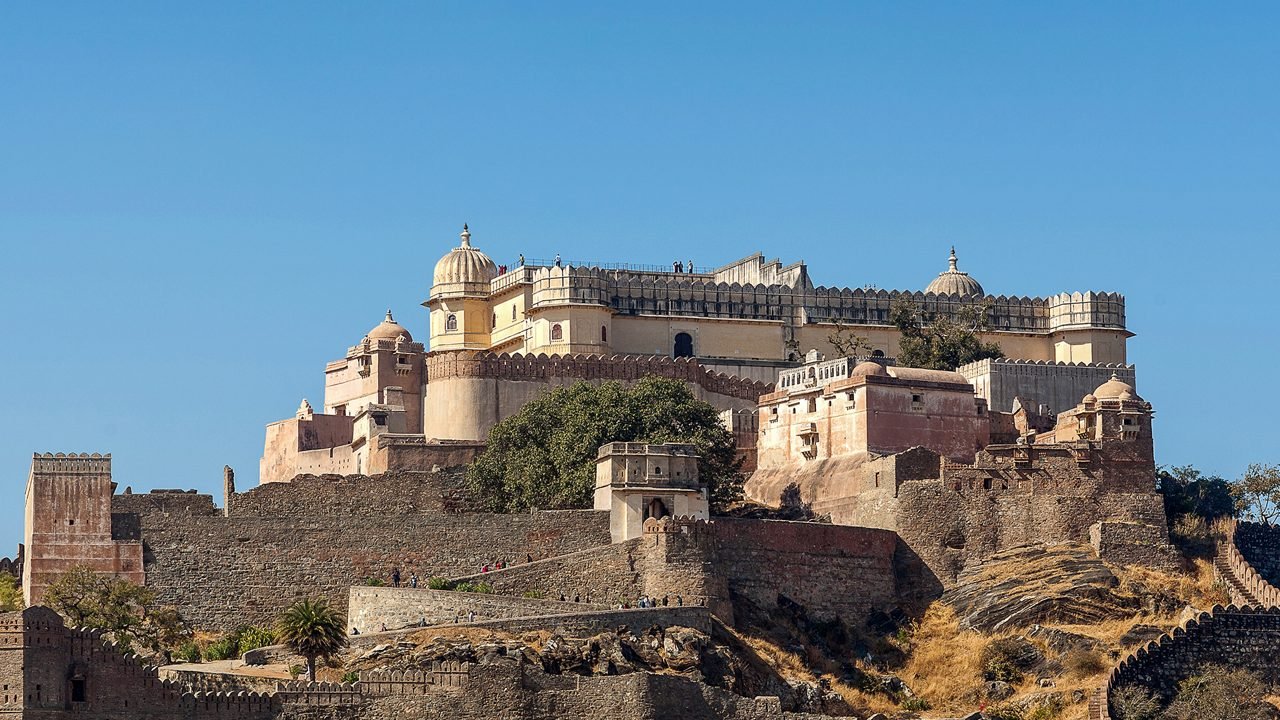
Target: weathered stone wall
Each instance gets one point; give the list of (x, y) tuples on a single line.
[(369, 608), (320, 535), (64, 672), (1244, 545), (710, 563), (1131, 543), (1245, 638), (589, 622), (808, 563), (1259, 546)]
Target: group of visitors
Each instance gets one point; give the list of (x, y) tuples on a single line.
[(678, 267), (646, 602), (396, 577)]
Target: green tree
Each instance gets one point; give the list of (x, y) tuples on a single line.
[(313, 630), (544, 455), (1187, 491), (127, 613), (10, 593), (941, 342), (1257, 493)]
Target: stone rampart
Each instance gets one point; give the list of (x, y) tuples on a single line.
[(369, 608), (700, 563), (1247, 638), (13, 566), (542, 368), (321, 535), (1252, 554), (586, 623)]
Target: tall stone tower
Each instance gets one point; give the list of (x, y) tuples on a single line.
[(68, 523), (461, 318)]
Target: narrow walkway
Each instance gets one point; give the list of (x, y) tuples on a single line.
[(1240, 594)]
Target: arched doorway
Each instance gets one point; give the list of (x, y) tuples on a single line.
[(656, 509), (684, 345)]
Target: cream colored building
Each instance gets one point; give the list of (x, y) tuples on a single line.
[(502, 335), (636, 482), (748, 318)]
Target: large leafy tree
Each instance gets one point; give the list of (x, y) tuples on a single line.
[(127, 613), (941, 342), (544, 455), (1257, 493), (1187, 491), (313, 630)]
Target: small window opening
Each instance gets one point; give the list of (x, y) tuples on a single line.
[(451, 323), (556, 332)]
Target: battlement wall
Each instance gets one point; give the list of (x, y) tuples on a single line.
[(71, 463), (542, 368), (229, 571), (1247, 638), (645, 293), (1252, 553), (369, 608)]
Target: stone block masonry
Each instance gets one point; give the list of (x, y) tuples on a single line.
[(319, 536), (369, 608)]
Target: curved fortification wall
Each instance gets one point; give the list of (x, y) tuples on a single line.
[(1249, 563), (1237, 637), (468, 392)]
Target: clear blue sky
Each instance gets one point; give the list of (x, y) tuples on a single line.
[(200, 204)]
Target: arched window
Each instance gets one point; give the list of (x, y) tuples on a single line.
[(556, 332), (877, 353), (604, 334), (684, 345), (451, 323)]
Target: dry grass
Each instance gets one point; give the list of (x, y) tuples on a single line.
[(1198, 588), (944, 666)]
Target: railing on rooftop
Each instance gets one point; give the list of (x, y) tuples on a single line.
[(630, 267)]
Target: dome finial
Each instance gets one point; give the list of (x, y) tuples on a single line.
[(389, 318), (952, 261), (466, 236)]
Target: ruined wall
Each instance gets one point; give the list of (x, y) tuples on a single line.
[(318, 536)]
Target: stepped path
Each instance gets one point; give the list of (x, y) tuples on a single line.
[(1240, 594)]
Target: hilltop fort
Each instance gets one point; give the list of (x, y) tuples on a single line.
[(922, 473)]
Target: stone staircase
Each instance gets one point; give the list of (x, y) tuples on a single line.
[(1240, 594)]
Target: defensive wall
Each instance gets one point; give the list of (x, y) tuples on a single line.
[(950, 514), (1247, 638), (51, 672), (469, 392), (320, 535), (1248, 562), (369, 608), (725, 563), (706, 295), (13, 566)]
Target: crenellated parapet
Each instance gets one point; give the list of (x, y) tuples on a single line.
[(71, 463), (1243, 637), (443, 675), (547, 368), (1245, 540)]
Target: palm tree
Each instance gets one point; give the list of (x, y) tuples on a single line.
[(312, 629)]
